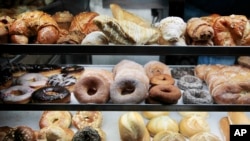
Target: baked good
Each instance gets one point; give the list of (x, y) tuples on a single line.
[(74, 70), (172, 29), (224, 128), (244, 61), (130, 83), (55, 132), (89, 133), (7, 133), (238, 118), (165, 94), (204, 136), (64, 80), (190, 113), (168, 136), (83, 119), (196, 96), (162, 123), (33, 80), (189, 82), (192, 125), (126, 32), (63, 19), (56, 118), (51, 94), (95, 38), (162, 79), (5, 79), (201, 71), (16, 94), (178, 72), (121, 14), (154, 68), (151, 114), (24, 133), (5, 22), (132, 127), (94, 86), (34, 23)]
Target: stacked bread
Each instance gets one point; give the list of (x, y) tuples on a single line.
[(227, 84)]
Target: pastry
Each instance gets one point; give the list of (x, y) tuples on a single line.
[(204, 136), (168, 136), (153, 68), (151, 114), (224, 128)]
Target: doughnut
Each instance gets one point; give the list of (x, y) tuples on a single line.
[(189, 82), (93, 86), (45, 69), (154, 68), (162, 123), (16, 94), (177, 73), (55, 133), (24, 133), (57, 118), (7, 133), (87, 118), (192, 125), (164, 79), (74, 70), (244, 61), (34, 80), (196, 96), (17, 69), (89, 133), (168, 136), (152, 114), (204, 136), (65, 80), (166, 94), (5, 79), (51, 94)]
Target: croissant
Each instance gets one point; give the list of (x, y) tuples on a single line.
[(199, 30), (126, 32), (34, 23)]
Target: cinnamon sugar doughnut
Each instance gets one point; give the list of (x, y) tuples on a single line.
[(164, 79), (154, 68), (167, 94), (87, 118), (58, 118)]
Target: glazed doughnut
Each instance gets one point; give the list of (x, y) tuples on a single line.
[(74, 70), (93, 86), (153, 68), (197, 96), (192, 125), (7, 133), (167, 94), (162, 123), (189, 82), (34, 80), (204, 136), (55, 133), (151, 114), (57, 118), (51, 94), (24, 133), (168, 136), (89, 133), (64, 80), (87, 118), (201, 71), (164, 79), (16, 95), (177, 73)]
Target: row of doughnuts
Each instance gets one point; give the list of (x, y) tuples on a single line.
[(124, 27)]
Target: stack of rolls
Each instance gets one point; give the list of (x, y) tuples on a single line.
[(130, 83), (162, 88), (227, 84)]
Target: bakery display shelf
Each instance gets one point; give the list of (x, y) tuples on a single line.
[(123, 50), (123, 107)]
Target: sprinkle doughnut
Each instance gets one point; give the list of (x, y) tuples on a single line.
[(58, 118), (177, 73), (51, 94), (24, 133), (87, 118), (167, 94), (64, 80), (197, 96), (34, 80), (164, 79), (127, 90), (189, 82), (88, 134), (16, 95)]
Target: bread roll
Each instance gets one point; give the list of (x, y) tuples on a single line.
[(153, 114), (238, 118), (204, 136), (169, 136), (224, 128), (132, 127)]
